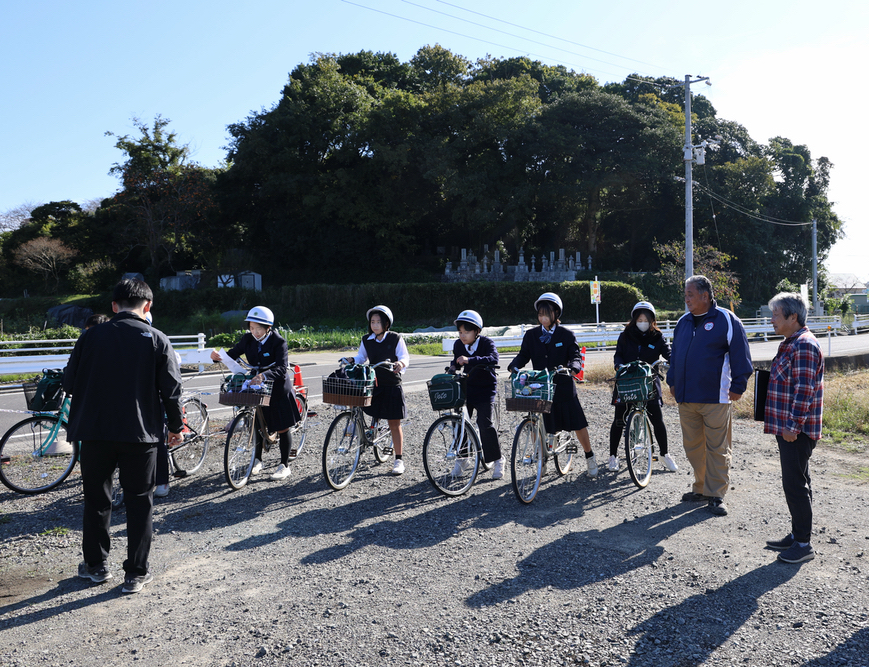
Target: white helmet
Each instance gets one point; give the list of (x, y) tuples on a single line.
[(380, 309), (644, 305), (261, 315), (471, 317), (552, 297)]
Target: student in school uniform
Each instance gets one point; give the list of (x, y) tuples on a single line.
[(387, 402), (549, 346), (262, 346), (472, 351)]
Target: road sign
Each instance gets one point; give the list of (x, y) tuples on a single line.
[(595, 291)]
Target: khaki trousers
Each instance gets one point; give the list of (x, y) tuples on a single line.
[(707, 438)]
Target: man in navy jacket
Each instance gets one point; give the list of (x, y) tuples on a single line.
[(709, 367)]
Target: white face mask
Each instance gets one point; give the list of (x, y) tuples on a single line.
[(643, 326)]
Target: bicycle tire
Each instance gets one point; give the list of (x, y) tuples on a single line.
[(447, 469), (526, 465), (380, 453), (638, 447), (240, 452), (564, 458), (190, 455), (341, 450), (33, 462), (299, 430)]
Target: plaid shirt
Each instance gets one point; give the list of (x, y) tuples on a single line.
[(795, 397)]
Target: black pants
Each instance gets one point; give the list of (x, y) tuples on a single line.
[(137, 464), (797, 483), (162, 463), (656, 416), (488, 434), (283, 444)]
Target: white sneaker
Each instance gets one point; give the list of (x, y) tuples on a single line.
[(257, 467), (613, 463), (281, 473), (161, 491), (591, 464), (670, 463), (398, 467), (498, 469)]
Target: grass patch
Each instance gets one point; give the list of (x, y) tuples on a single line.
[(430, 349), (57, 531)]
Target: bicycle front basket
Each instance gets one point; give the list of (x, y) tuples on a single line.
[(347, 391), (237, 391), (634, 382), (445, 392), (530, 391)]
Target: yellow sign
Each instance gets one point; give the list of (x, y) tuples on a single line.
[(595, 291)]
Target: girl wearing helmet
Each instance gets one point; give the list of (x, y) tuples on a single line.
[(262, 346), (641, 340), (548, 347), (473, 350), (387, 402)]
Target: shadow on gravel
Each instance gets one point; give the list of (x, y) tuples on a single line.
[(697, 626), (69, 585), (851, 652), (584, 557)]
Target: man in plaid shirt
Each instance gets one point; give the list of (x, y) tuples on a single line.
[(794, 411)]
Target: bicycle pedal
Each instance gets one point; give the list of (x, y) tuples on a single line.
[(386, 450), (293, 453), (179, 473), (572, 449)]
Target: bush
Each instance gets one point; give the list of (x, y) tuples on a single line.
[(93, 277)]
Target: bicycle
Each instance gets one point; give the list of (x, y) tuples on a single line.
[(452, 452), (240, 451), (36, 455), (532, 446), (348, 436), (635, 384)]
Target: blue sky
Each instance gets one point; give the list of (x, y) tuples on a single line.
[(73, 70)]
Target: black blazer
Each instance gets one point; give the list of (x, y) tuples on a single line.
[(561, 350)]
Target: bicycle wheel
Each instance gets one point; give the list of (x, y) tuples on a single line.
[(299, 431), (34, 458), (382, 442), (638, 447), (117, 490), (451, 465), (189, 456), (566, 445), (341, 450), (526, 465), (240, 449)]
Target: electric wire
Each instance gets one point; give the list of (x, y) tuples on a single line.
[(744, 211)]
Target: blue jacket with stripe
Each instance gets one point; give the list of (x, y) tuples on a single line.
[(710, 359)]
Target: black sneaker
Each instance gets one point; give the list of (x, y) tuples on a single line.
[(97, 573), (717, 507), (134, 583), (781, 545), (692, 497), (797, 554)]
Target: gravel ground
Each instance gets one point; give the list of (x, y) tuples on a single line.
[(389, 572)]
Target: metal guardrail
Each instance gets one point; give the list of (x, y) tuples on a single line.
[(608, 332), (13, 363), (860, 322)]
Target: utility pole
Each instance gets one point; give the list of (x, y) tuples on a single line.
[(690, 154), (815, 267)]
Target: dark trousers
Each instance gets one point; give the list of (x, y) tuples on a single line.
[(488, 434), (137, 466), (283, 444), (656, 416), (162, 463), (797, 483)]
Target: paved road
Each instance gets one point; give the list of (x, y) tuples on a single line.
[(317, 364)]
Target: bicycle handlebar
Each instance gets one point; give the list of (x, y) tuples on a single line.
[(257, 369), (462, 371)]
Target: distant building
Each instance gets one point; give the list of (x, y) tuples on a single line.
[(841, 284)]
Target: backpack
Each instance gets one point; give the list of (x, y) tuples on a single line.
[(47, 394)]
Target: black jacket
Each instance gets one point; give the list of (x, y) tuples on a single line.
[(122, 375), (282, 411), (635, 345), (482, 385)]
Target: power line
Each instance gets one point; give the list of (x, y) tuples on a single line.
[(740, 209)]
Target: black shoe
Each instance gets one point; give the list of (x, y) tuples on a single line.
[(717, 507), (797, 554), (97, 573), (134, 583), (692, 497), (781, 545)]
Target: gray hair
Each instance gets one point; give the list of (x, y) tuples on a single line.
[(702, 284), (790, 303)]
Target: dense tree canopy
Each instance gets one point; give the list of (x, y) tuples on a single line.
[(369, 168)]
